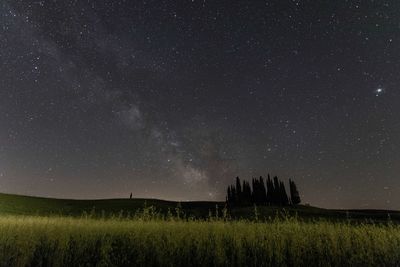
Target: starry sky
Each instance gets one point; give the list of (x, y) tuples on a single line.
[(174, 99)]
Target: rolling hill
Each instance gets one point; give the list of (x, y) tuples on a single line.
[(28, 205)]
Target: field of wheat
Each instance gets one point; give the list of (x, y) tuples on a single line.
[(148, 241)]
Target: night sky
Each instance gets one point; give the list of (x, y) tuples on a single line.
[(174, 99)]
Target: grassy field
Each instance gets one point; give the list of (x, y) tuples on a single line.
[(123, 232), (52, 241)]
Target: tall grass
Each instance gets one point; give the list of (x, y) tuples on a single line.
[(149, 240)]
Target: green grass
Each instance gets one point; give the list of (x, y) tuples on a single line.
[(52, 241)]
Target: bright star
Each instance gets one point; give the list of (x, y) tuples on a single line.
[(379, 91)]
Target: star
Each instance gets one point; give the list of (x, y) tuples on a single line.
[(379, 91)]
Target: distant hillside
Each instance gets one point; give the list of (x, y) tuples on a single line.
[(27, 205)]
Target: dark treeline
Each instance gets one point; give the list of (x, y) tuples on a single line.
[(270, 192)]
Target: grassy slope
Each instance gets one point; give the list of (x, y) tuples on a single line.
[(26, 205)]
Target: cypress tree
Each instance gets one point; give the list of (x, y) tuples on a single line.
[(253, 192), (263, 191), (233, 194), (238, 190), (276, 198), (283, 195), (270, 189), (294, 193), (246, 194)]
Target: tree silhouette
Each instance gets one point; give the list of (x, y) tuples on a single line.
[(263, 191), (276, 199), (284, 201), (238, 190), (259, 194), (246, 194), (272, 192), (229, 195), (233, 194), (294, 193), (254, 195)]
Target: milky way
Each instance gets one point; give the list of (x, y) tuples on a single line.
[(173, 99)]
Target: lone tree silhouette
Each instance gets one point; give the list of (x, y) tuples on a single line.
[(294, 193)]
